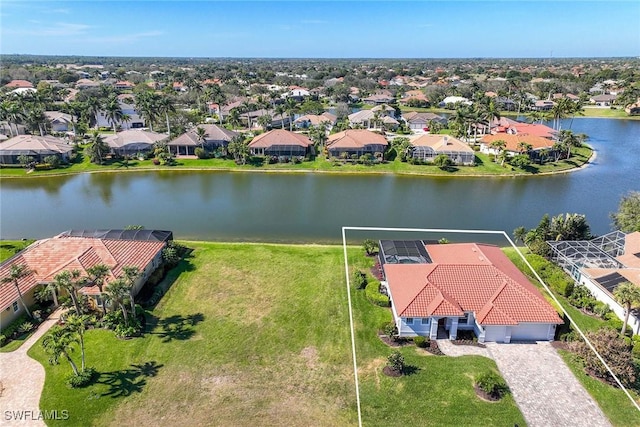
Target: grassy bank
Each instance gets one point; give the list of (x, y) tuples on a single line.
[(485, 167), (259, 335), (9, 248)]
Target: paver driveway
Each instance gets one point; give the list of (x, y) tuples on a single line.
[(544, 388), (22, 379)]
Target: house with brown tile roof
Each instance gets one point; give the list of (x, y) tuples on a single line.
[(513, 143), (465, 286), (428, 146), (356, 142), (420, 121), (35, 146), (601, 265), (308, 120), (72, 251), (16, 84), (281, 143), (215, 137)]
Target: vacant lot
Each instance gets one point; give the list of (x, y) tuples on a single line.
[(259, 335)]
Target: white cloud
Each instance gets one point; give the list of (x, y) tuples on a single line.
[(56, 29)]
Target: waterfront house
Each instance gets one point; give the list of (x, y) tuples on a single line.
[(133, 142), (81, 250), (356, 142), (381, 115), (445, 288), (451, 102), (215, 137), (633, 109), (415, 98), (428, 146), (512, 142), (281, 143), (601, 265), (384, 97), (605, 100), (35, 146), (543, 105)]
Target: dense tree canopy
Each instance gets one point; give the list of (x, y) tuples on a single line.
[(627, 218)]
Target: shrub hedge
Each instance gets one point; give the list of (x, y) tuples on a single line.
[(374, 296)]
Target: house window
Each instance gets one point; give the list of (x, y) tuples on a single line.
[(409, 321), (15, 306), (425, 321)]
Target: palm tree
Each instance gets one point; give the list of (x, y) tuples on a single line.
[(35, 119), (280, 110), (291, 107), (147, 106), (93, 106), (113, 111), (165, 106), (239, 148), (59, 342), (71, 282), (117, 293), (519, 234), (201, 136), (77, 324), (265, 121), (131, 274), (490, 112), (628, 295), (570, 139), (234, 118), (98, 273), (17, 272), (14, 115), (500, 146), (524, 147), (97, 149)]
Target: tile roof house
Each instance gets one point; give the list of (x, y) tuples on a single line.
[(215, 136), (512, 143), (281, 143), (59, 121), (428, 146), (356, 142), (35, 146), (133, 141), (76, 250), (15, 84), (601, 265), (309, 120), (367, 118), (379, 98), (464, 286), (420, 121)]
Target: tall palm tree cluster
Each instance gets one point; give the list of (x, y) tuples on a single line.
[(468, 119), (27, 110)]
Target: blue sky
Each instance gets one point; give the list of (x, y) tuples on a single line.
[(322, 29)]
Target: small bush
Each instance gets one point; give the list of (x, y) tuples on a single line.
[(390, 329), (3, 339), (359, 279), (370, 247), (201, 153), (83, 379), (126, 331), (492, 384), (421, 342), (372, 292), (112, 319), (25, 327), (396, 361)]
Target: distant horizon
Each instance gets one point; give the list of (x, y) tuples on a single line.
[(477, 58), (322, 29)]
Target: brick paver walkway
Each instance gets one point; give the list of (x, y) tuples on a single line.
[(21, 380), (461, 350)]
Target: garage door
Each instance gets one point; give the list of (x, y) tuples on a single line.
[(530, 332), (495, 333)]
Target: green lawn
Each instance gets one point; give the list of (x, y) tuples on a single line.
[(485, 167), (258, 335), (9, 248)]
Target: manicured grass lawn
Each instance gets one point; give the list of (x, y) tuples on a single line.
[(485, 167), (259, 335), (608, 113), (613, 402), (9, 248)]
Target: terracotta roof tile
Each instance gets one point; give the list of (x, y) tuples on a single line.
[(467, 277)]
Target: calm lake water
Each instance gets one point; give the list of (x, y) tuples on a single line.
[(313, 207)]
